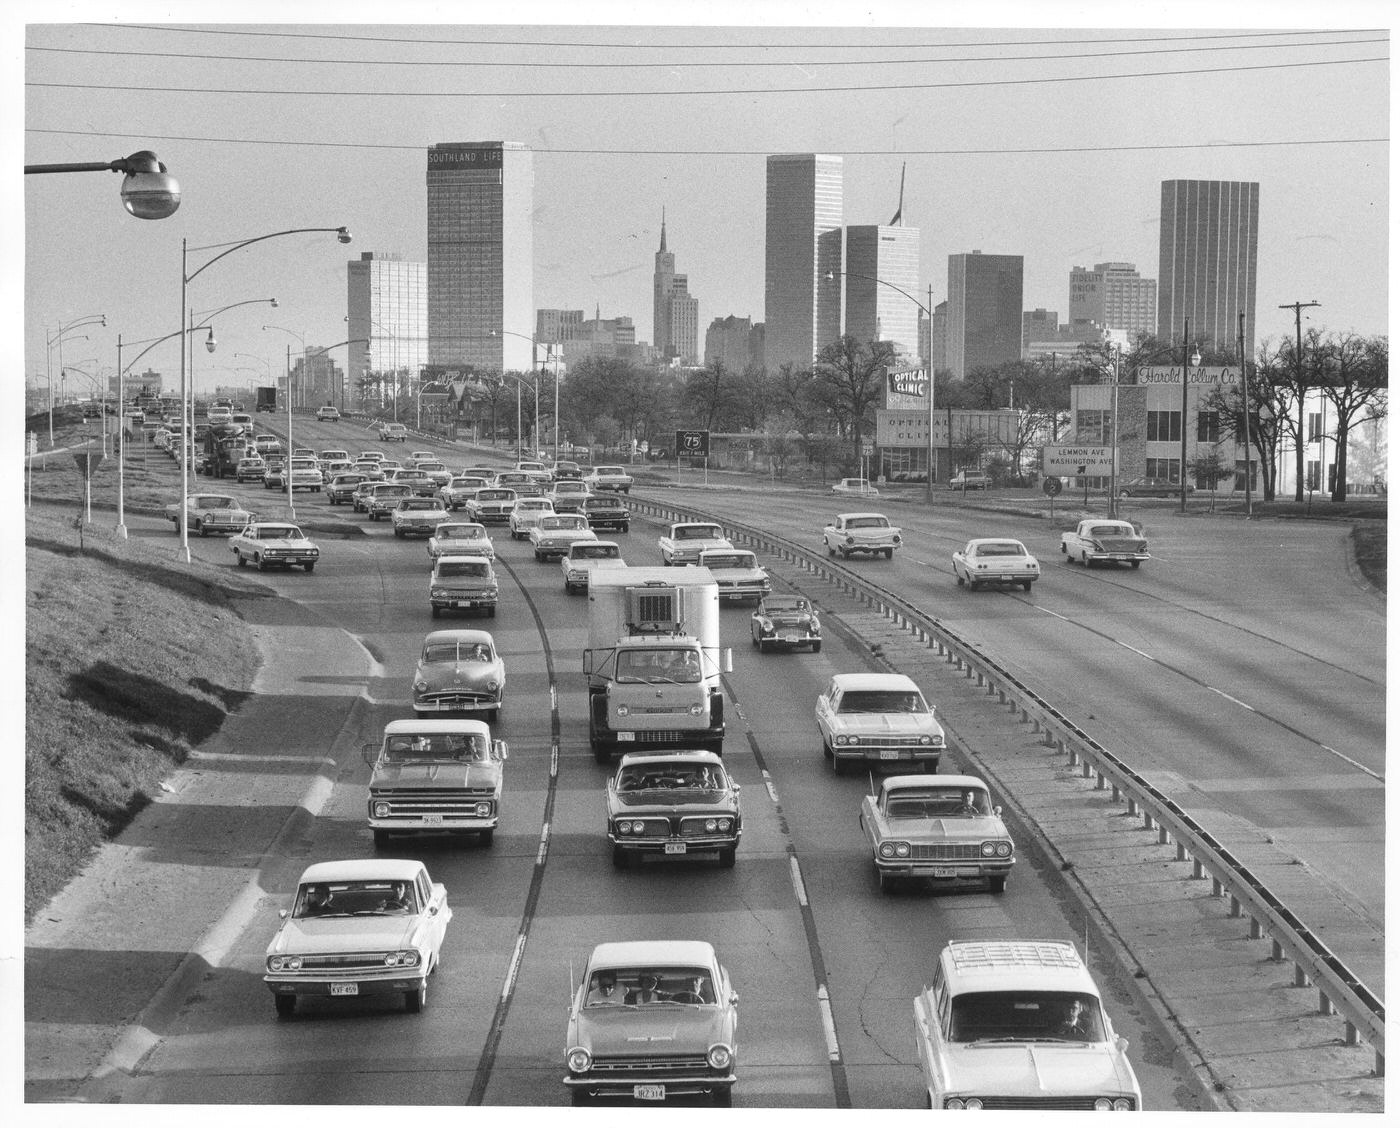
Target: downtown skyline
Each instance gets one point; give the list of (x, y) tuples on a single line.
[(1021, 170)]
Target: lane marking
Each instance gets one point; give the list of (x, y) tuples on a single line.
[(514, 969), (1234, 700), (798, 887), (544, 845), (772, 791), (833, 1048)]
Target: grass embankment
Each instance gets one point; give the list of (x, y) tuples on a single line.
[(132, 659)]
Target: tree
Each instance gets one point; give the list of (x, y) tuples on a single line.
[(1353, 374), (1212, 468), (850, 377)]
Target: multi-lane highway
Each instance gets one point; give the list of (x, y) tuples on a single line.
[(825, 965)]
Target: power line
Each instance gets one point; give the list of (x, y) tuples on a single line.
[(698, 63), (557, 151), (683, 93)]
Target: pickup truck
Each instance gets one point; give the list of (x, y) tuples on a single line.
[(686, 540), (1099, 539)]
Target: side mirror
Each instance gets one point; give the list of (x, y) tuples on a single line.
[(283, 914), (734, 998), (1121, 1044), (369, 753), (500, 750)]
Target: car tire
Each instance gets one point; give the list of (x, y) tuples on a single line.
[(490, 612), (621, 858), (538, 558), (579, 1098), (239, 557), (958, 576), (286, 1005), (310, 565), (972, 585), (1026, 584), (437, 611), (889, 554), (884, 880), (997, 884), (723, 1097), (487, 836), (415, 1001), (1135, 563), (817, 647), (726, 857), (381, 839), (202, 530), (624, 527)]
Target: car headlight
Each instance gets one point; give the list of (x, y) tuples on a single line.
[(896, 539), (623, 710), (420, 685), (493, 685), (719, 1056), (725, 824), (711, 825), (695, 709), (901, 849), (1103, 1104), (1123, 1104), (1003, 849), (989, 849), (483, 810), (381, 809), (292, 963), (925, 739), (407, 957), (579, 1060)]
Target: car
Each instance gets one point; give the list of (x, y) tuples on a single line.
[(267, 444), (392, 433), (357, 929), (738, 574), (1012, 1024), (359, 497), (607, 511), (459, 488), (460, 538), (417, 516), (686, 540), (341, 488), (608, 478), (786, 621), (1099, 540), (969, 480), (526, 513), (303, 452), (209, 513), (532, 466), (250, 468), (305, 475), (327, 459), (652, 1019), (382, 498), (463, 583), (422, 484), (370, 468), (553, 533), (525, 483), (274, 544), (435, 776), (672, 804), (568, 495), (944, 831), (219, 415), (583, 558), (459, 672), (989, 561), (877, 719), (370, 456), (855, 487), (327, 414), (491, 505), (568, 472), (417, 456), (852, 534), (388, 465), (1152, 487)]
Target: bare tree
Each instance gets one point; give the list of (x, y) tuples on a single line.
[(851, 374), (1354, 377)]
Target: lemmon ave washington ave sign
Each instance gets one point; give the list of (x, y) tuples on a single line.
[(1077, 461)]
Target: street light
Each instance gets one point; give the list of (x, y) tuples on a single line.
[(57, 340), (224, 249), (831, 276), (148, 191), (1187, 363), (534, 353)]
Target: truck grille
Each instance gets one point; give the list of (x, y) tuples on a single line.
[(453, 804), (457, 697)]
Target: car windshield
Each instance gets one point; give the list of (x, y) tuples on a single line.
[(356, 898), (1025, 1016), (938, 803), (461, 532), (457, 652), (698, 532), (279, 532), (880, 701), (1001, 548), (595, 552), (867, 523), (737, 560), (474, 568), (633, 986), (572, 523), (667, 664), (461, 747), (774, 606), (494, 495), (671, 777)]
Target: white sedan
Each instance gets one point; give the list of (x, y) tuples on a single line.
[(555, 532), (995, 560), (526, 514), (358, 928), (461, 538), (274, 544)]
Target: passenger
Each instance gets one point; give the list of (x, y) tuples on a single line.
[(604, 991), (647, 991)]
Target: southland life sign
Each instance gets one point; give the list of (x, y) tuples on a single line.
[(1217, 374)]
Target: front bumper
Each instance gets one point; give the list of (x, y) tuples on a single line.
[(446, 701), (884, 754), (625, 1083), (304, 988), (678, 847), (945, 871)]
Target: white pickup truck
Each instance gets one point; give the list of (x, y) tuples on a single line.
[(1101, 539), (686, 540)]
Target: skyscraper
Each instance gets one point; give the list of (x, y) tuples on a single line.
[(880, 262), (387, 306), (675, 314), (984, 311), (1208, 260), (480, 254), (802, 313), (1115, 296)]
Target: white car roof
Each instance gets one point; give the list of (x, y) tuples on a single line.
[(1008, 965), (899, 782), (362, 869), (848, 516), (416, 727), (465, 635), (683, 755), (873, 681), (644, 953)]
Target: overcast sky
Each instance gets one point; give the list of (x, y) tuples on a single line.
[(1050, 144)]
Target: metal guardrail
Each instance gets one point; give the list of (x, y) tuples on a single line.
[(1339, 991)]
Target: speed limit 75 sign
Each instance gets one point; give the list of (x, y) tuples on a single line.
[(692, 442)]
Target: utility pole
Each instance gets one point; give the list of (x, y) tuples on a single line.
[(1244, 379), (1297, 308)]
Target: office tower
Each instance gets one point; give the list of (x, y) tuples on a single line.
[(802, 245), (480, 255), (1115, 296), (555, 326), (1208, 261), (984, 311), (387, 308), (937, 355), (675, 314), (1038, 325), (882, 261), (729, 340)]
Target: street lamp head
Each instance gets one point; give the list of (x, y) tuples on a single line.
[(1195, 356), (148, 191), (343, 234), (273, 301), (210, 343)]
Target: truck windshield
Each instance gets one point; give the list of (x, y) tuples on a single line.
[(464, 747), (662, 665)]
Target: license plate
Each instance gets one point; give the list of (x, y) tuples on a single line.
[(944, 871), (789, 637), (625, 736), (889, 753), (674, 848), (432, 820), (345, 988), (649, 1092)]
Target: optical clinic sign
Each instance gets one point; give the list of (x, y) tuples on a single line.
[(1202, 375), (909, 382)]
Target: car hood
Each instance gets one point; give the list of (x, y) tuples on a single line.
[(286, 542), (595, 562), (343, 934), (1039, 1069), (954, 829), (649, 1030), (879, 724), (460, 673), (436, 776), (789, 618), (651, 802)]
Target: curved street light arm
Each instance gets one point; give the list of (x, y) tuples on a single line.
[(831, 276), (342, 232), (78, 323)]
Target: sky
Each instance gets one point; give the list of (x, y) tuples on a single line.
[(1050, 143)]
